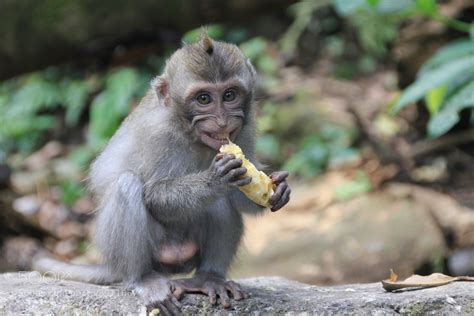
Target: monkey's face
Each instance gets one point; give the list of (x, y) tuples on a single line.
[(217, 111)]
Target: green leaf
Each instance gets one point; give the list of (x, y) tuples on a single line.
[(112, 105), (445, 119), (268, 147), (392, 7), (346, 7), (374, 30), (254, 48), (268, 65), (361, 184), (121, 86), (427, 7), (103, 122), (453, 51), (471, 32), (339, 156), (310, 160), (71, 191), (434, 98), (435, 78), (74, 94), (372, 3)]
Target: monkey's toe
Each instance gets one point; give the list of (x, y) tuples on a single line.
[(237, 292), (217, 289), (169, 306)]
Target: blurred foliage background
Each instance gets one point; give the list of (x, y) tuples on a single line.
[(353, 96)]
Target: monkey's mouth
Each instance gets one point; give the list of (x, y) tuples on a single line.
[(219, 137), (216, 140)]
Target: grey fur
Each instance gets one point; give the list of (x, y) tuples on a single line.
[(156, 184)]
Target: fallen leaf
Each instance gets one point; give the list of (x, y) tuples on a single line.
[(419, 281), (393, 276)]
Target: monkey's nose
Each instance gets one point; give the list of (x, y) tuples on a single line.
[(221, 122)]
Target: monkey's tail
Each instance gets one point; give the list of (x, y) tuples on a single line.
[(96, 274)]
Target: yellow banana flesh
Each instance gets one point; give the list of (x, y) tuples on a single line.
[(261, 188)]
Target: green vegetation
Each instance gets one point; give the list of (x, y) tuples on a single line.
[(33, 105), (38, 105), (446, 81)]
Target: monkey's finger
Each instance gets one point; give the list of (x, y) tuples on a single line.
[(284, 199), (225, 300), (224, 159), (235, 174), (278, 193), (228, 166), (218, 157), (212, 296), (241, 182), (279, 176)]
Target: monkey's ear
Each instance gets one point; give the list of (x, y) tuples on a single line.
[(161, 87)]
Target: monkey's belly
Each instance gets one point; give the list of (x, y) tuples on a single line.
[(177, 253)]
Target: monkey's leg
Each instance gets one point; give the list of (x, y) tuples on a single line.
[(125, 233), (218, 246)]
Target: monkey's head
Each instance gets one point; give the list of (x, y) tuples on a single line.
[(210, 86)]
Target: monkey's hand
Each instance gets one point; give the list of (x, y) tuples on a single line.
[(282, 190), (211, 285), (228, 170)]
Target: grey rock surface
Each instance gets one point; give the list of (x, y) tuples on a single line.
[(30, 293)]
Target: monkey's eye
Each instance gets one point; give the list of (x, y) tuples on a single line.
[(229, 96), (204, 98)]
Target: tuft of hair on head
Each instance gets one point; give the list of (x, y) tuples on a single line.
[(206, 42)]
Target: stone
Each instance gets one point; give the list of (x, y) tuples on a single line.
[(353, 241), (31, 293)]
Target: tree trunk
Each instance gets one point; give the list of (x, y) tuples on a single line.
[(35, 34)]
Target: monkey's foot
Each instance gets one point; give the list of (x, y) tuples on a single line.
[(211, 285), (156, 293)]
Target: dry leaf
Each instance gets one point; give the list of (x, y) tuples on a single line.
[(419, 281), (393, 276)]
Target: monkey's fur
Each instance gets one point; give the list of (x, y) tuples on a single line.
[(167, 202)]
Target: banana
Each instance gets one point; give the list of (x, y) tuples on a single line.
[(261, 188)]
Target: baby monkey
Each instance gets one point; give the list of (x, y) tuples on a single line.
[(168, 202)]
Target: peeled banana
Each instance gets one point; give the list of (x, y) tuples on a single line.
[(261, 188)]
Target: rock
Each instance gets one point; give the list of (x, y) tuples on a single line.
[(461, 262), (29, 293), (40, 159), (353, 241), (27, 205)]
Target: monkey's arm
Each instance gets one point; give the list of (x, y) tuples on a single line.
[(184, 197), (179, 198)]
